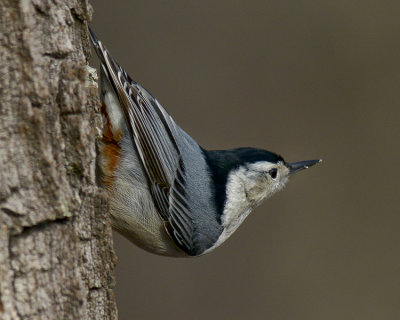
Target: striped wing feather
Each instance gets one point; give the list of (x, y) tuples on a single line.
[(155, 135)]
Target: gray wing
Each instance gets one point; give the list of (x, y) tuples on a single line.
[(155, 135)]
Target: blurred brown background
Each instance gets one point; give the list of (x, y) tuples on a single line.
[(306, 79)]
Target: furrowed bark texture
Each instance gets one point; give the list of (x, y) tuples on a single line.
[(56, 257)]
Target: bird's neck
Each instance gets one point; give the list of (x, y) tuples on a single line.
[(237, 206)]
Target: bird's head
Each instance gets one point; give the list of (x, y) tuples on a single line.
[(261, 178), (257, 174)]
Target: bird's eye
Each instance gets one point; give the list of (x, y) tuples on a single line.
[(273, 173)]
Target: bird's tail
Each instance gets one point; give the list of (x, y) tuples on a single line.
[(97, 45)]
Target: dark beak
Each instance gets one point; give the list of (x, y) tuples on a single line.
[(298, 166)]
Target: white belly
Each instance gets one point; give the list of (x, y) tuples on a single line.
[(134, 215)]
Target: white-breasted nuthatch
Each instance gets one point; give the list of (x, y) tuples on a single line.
[(170, 196)]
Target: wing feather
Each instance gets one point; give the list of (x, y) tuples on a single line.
[(156, 139)]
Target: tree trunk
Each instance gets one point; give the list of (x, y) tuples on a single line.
[(56, 257)]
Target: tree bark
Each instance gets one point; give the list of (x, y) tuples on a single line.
[(56, 257)]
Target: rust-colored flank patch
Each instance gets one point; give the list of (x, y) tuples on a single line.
[(110, 150)]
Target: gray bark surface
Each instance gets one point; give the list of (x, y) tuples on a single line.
[(56, 256)]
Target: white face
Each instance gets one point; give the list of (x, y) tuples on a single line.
[(262, 179)]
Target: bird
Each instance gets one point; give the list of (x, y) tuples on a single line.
[(168, 195)]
